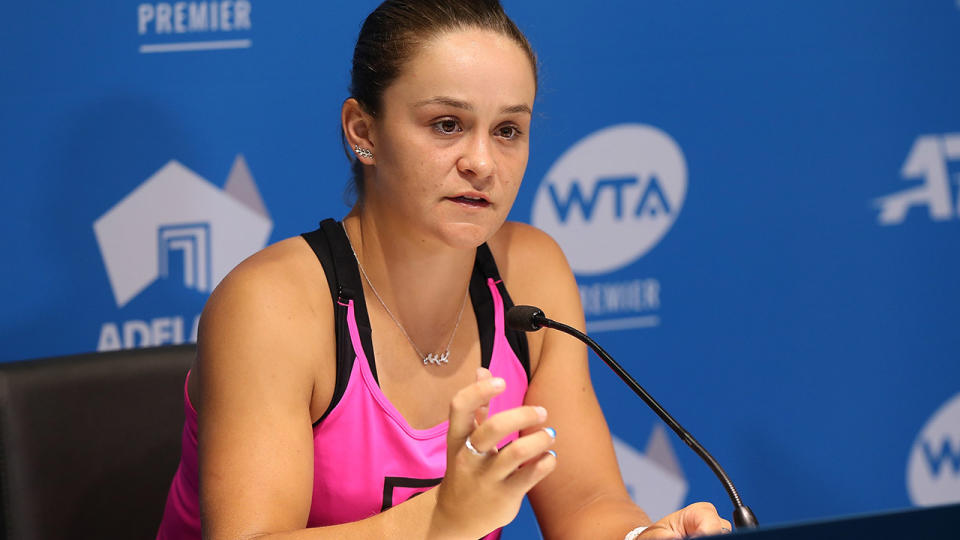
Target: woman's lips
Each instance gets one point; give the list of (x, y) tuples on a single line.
[(473, 202)]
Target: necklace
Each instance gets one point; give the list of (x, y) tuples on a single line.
[(432, 358)]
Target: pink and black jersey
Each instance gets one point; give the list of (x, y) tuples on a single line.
[(367, 458)]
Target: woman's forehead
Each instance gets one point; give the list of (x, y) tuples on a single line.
[(479, 68)]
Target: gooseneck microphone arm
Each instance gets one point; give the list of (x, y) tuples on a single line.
[(531, 319)]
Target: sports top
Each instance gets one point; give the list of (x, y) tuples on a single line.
[(367, 458)]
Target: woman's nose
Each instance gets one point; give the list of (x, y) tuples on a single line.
[(477, 159)]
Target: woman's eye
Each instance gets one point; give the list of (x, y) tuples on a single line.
[(447, 127), (508, 132)]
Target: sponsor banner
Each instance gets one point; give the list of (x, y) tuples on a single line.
[(612, 196), (653, 478), (760, 202), (929, 161), (933, 469), (608, 200), (176, 227), (166, 27)]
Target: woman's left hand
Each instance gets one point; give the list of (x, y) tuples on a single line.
[(698, 519)]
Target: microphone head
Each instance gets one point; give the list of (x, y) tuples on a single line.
[(524, 318)]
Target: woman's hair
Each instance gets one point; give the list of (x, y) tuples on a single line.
[(394, 32)]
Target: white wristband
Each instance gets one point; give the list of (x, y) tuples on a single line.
[(634, 533)]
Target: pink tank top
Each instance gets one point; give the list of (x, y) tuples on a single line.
[(367, 458)]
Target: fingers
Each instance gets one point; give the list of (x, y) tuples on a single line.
[(481, 413), (502, 424), (659, 532), (525, 461), (524, 478), (465, 405), (713, 527), (702, 519), (523, 452)]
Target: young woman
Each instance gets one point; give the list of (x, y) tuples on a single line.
[(358, 381)]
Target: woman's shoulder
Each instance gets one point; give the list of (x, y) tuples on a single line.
[(528, 258), (267, 317), (283, 278), (536, 273)]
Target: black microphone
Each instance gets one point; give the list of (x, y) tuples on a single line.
[(531, 319)]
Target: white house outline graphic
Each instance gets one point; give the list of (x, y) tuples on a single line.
[(130, 235)]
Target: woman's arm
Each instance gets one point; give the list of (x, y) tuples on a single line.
[(585, 496), (266, 346), (265, 371)]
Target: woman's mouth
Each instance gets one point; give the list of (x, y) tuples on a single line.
[(474, 202)]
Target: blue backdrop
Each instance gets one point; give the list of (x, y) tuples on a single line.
[(760, 200)]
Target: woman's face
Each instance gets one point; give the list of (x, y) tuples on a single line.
[(452, 140)]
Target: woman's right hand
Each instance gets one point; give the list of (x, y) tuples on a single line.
[(480, 493)]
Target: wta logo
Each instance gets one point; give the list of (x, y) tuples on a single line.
[(612, 196), (933, 469)]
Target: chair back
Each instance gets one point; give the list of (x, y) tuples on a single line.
[(89, 443)]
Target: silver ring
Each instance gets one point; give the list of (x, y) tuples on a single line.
[(472, 448)]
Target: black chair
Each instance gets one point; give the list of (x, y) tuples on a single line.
[(89, 443)]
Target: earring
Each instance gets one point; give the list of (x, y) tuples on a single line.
[(362, 152)]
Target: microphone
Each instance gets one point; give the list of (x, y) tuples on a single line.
[(531, 319)]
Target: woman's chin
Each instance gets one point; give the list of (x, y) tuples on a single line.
[(468, 235)]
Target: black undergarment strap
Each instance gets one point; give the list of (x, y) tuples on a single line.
[(332, 248), (351, 286), (486, 267)]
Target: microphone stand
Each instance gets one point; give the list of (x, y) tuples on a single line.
[(742, 515)]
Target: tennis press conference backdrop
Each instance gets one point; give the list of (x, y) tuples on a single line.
[(759, 199)]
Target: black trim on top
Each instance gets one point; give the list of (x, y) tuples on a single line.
[(486, 265), (391, 482), (321, 248), (332, 248), (329, 244), (483, 309), (351, 287)]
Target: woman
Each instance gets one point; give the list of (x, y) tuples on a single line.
[(340, 375)]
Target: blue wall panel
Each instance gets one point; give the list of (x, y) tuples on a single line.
[(798, 313)]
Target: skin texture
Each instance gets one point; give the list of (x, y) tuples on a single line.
[(455, 123)]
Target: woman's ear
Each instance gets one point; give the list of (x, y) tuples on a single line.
[(358, 129)]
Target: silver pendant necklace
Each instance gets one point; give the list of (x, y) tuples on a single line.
[(432, 358)]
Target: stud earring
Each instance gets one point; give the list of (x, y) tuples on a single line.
[(362, 152)]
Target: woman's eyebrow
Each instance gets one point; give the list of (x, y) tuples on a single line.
[(444, 100), (522, 108), (460, 104)]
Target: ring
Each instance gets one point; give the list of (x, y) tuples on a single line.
[(473, 449)]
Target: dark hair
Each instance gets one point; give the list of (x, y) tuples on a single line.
[(391, 35)]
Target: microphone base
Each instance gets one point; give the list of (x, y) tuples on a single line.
[(743, 518)]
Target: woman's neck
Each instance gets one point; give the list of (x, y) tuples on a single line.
[(421, 280)]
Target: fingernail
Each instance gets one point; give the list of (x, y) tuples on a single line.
[(552, 432), (497, 382), (541, 412), (552, 453)]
